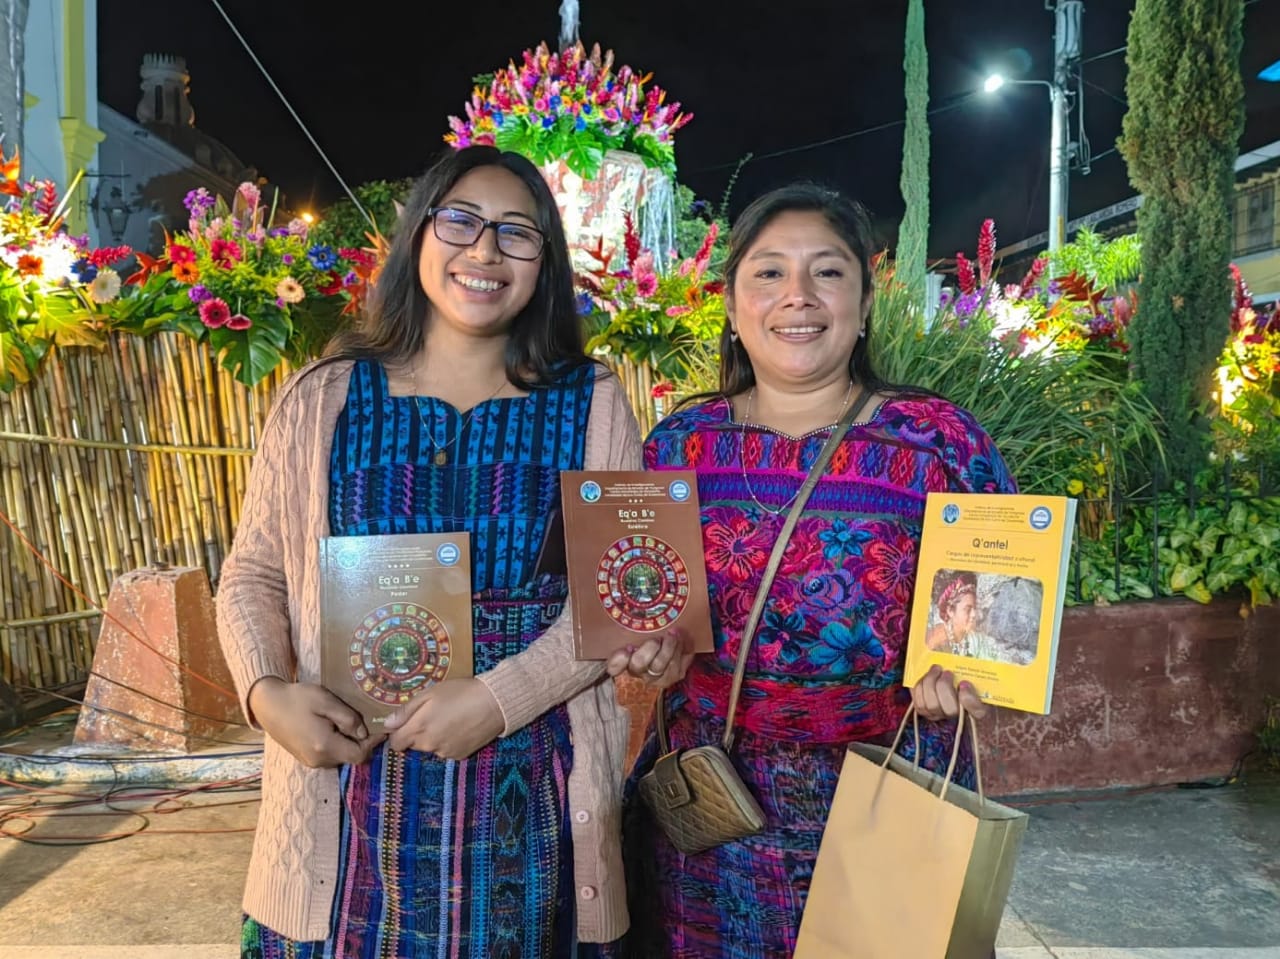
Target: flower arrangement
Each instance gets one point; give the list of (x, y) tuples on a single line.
[(255, 291), (52, 285), (1248, 380), (1037, 313), (650, 317), (571, 105)]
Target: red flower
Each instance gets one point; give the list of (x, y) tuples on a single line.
[(47, 198), (1033, 276), (214, 313), (107, 255), (632, 240), (662, 389), (803, 551), (892, 565), (178, 253), (331, 285), (239, 322), (225, 253), (735, 546), (964, 273), (29, 265), (986, 250)]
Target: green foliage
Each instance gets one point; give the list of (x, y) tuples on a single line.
[(913, 236), (1216, 546), (342, 225), (655, 318), (694, 219), (1108, 264), (1054, 411), (1186, 113)]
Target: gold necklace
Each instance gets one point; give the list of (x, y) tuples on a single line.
[(440, 454), (742, 449)]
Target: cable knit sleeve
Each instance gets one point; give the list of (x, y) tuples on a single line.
[(253, 601), (546, 674)]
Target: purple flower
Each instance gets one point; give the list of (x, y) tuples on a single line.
[(287, 259), (967, 303), (279, 231), (351, 279), (199, 293), (198, 202)]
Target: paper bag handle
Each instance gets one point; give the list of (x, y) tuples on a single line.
[(912, 714)]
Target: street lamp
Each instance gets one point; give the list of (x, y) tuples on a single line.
[(1059, 153), (1066, 56), (112, 212)]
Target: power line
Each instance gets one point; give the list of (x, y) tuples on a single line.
[(294, 113), (1112, 53), (1105, 92), (958, 102)]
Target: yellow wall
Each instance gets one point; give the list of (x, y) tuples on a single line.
[(80, 138)]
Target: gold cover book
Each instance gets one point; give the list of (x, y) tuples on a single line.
[(395, 617), (989, 593), (634, 548)]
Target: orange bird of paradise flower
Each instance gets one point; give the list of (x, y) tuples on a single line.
[(9, 170), (148, 266)]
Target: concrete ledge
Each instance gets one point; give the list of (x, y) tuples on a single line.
[(1147, 693)]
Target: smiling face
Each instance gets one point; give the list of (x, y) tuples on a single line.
[(477, 290), (797, 302)]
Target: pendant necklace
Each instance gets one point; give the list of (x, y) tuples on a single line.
[(440, 454)]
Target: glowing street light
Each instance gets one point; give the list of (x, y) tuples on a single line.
[(1066, 51), (308, 218)]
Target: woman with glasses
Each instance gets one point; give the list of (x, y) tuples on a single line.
[(485, 820)]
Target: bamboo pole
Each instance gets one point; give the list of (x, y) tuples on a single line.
[(114, 459), (188, 513)]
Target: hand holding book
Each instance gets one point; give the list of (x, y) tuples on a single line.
[(937, 695), (660, 662), (452, 719), (311, 723)]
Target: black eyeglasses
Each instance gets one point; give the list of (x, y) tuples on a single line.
[(461, 228)]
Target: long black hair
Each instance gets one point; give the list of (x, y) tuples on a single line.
[(546, 337), (849, 220)]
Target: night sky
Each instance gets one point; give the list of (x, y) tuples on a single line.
[(376, 83)]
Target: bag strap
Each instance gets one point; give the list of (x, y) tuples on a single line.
[(963, 719), (775, 560)]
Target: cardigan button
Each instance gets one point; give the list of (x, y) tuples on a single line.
[(582, 816), (587, 892)]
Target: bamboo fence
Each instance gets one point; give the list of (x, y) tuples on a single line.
[(116, 459)]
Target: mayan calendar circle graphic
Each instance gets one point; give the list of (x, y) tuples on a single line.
[(643, 583), (398, 650)]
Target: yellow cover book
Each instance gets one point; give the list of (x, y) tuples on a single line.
[(989, 591)]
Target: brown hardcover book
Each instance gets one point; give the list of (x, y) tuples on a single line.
[(634, 547), (395, 617)]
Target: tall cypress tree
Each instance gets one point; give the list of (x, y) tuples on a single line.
[(913, 236), (1186, 113)]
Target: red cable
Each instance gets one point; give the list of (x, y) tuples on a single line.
[(130, 633)]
